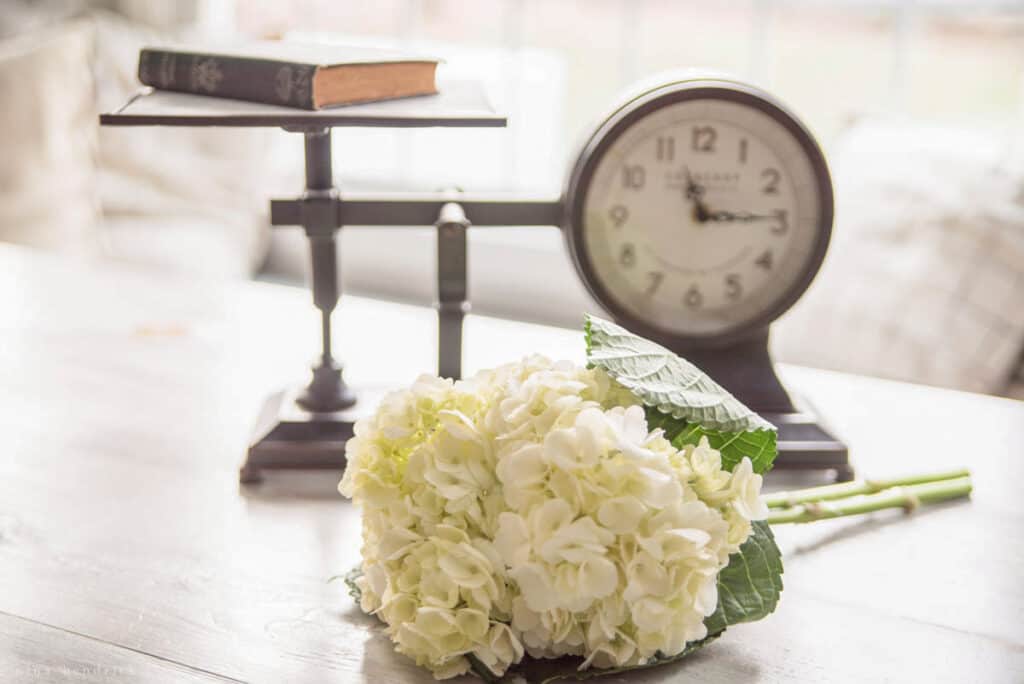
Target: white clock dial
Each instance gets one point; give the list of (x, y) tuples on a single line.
[(701, 216)]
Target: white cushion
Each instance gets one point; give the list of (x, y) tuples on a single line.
[(925, 276), (48, 135), (191, 199)]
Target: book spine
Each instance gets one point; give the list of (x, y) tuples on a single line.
[(237, 78)]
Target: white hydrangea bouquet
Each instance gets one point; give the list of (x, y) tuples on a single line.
[(611, 513)]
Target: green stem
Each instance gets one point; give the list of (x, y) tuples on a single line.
[(907, 497), (846, 489)]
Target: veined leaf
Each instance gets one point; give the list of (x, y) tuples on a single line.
[(750, 585), (665, 381), (758, 445), (680, 398)]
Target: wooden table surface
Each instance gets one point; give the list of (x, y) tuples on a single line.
[(128, 553)]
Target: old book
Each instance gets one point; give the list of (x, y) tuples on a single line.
[(289, 74)]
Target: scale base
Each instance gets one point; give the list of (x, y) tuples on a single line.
[(806, 444), (290, 437)]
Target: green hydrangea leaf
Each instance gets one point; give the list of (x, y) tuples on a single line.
[(759, 446), (665, 381), (680, 398), (750, 585)]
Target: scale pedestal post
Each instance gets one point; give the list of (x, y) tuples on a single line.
[(308, 428), (452, 289)]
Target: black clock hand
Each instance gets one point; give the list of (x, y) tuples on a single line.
[(741, 216), (749, 217), (695, 192)]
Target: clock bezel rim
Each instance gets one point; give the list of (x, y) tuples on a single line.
[(635, 109)]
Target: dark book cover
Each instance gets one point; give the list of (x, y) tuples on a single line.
[(290, 75)]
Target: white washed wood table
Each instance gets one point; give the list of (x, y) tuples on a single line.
[(128, 553)]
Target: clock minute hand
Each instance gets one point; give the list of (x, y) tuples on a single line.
[(738, 216)]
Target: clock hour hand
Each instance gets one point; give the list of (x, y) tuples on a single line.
[(695, 193)]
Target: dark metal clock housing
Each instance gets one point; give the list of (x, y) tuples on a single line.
[(630, 112)]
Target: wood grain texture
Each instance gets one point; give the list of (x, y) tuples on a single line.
[(129, 553), (80, 658)]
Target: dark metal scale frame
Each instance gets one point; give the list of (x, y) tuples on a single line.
[(308, 428)]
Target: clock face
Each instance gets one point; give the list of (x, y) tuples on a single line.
[(701, 213)]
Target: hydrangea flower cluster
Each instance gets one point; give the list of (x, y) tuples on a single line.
[(530, 510)]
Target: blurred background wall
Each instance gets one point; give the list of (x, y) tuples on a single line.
[(919, 105)]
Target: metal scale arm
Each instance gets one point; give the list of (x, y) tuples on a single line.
[(308, 428), (322, 212)]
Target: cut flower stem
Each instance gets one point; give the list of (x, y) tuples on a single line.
[(905, 493), (854, 488)]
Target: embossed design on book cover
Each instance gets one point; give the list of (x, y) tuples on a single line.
[(291, 83), (303, 86), (206, 75)]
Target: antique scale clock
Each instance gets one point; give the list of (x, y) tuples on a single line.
[(696, 213)]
